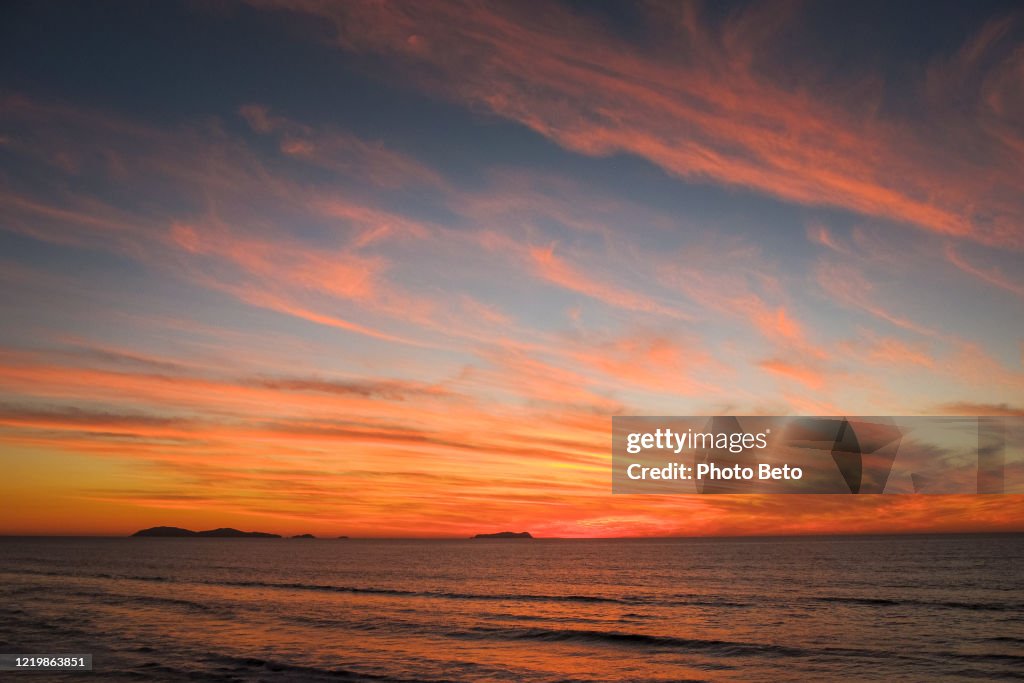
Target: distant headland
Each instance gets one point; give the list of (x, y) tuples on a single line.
[(506, 534)]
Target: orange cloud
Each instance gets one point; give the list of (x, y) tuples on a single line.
[(557, 271), (890, 352), (655, 362), (735, 282), (801, 373)]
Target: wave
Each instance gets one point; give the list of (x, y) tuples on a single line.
[(294, 672), (424, 594), (1005, 639), (233, 669), (677, 600), (398, 592), (724, 648), (120, 598), (947, 604)]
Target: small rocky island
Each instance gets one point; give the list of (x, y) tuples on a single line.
[(178, 532), (506, 534), (303, 536)]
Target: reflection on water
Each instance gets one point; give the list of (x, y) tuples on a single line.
[(545, 610)]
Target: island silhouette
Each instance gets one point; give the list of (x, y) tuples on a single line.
[(228, 532), (178, 532), (506, 534)]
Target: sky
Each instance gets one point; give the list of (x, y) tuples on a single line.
[(389, 268)]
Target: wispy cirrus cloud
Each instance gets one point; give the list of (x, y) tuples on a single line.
[(341, 152), (552, 268), (693, 102), (848, 286), (993, 275)]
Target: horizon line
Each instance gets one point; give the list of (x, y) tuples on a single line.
[(344, 537)]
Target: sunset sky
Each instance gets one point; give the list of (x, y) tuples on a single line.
[(388, 268)]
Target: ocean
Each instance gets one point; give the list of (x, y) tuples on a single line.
[(178, 609)]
